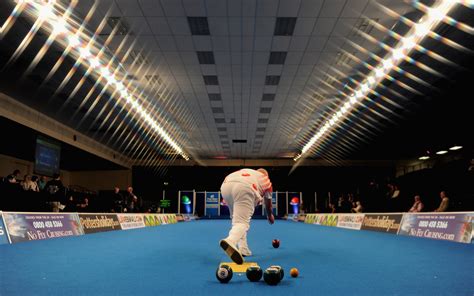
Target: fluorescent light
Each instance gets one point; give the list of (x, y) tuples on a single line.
[(59, 27), (364, 87), (95, 62), (73, 40), (359, 94), (46, 12), (371, 80), (455, 148), (352, 100), (422, 29), (398, 54), (436, 14), (424, 158), (84, 52), (387, 64), (379, 73), (409, 43), (105, 72), (441, 152)]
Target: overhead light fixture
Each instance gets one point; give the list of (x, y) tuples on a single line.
[(454, 148), (386, 65), (45, 11), (424, 158), (441, 152), (73, 40)]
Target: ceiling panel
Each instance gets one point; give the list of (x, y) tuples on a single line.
[(241, 40)]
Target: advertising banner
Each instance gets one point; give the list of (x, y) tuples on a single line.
[(159, 219), (38, 226), (453, 227), (274, 203), (131, 221), (382, 222), (212, 203), (322, 219), (310, 218), (350, 221), (93, 223), (151, 220), (3, 232)]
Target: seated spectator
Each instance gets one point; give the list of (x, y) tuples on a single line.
[(417, 206), (443, 206), (28, 185), (14, 177), (71, 204), (42, 183), (84, 206), (358, 208)]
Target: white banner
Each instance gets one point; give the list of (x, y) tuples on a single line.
[(131, 221), (350, 221)]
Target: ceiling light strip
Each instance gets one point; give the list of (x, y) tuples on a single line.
[(380, 72), (45, 12)]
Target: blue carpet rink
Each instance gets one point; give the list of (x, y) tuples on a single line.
[(181, 259)]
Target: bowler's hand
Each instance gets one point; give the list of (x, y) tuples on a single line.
[(271, 219)]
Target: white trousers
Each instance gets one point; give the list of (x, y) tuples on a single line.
[(241, 201)]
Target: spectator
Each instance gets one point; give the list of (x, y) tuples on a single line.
[(84, 206), (443, 206), (118, 200), (395, 199), (358, 208), (343, 206), (14, 177), (71, 204), (28, 184), (332, 208), (132, 201), (55, 191), (42, 183), (417, 206)]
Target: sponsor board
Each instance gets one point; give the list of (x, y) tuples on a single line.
[(159, 219), (322, 219), (3, 232), (452, 227), (350, 221), (39, 226), (131, 221), (93, 223), (212, 203), (382, 222)]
